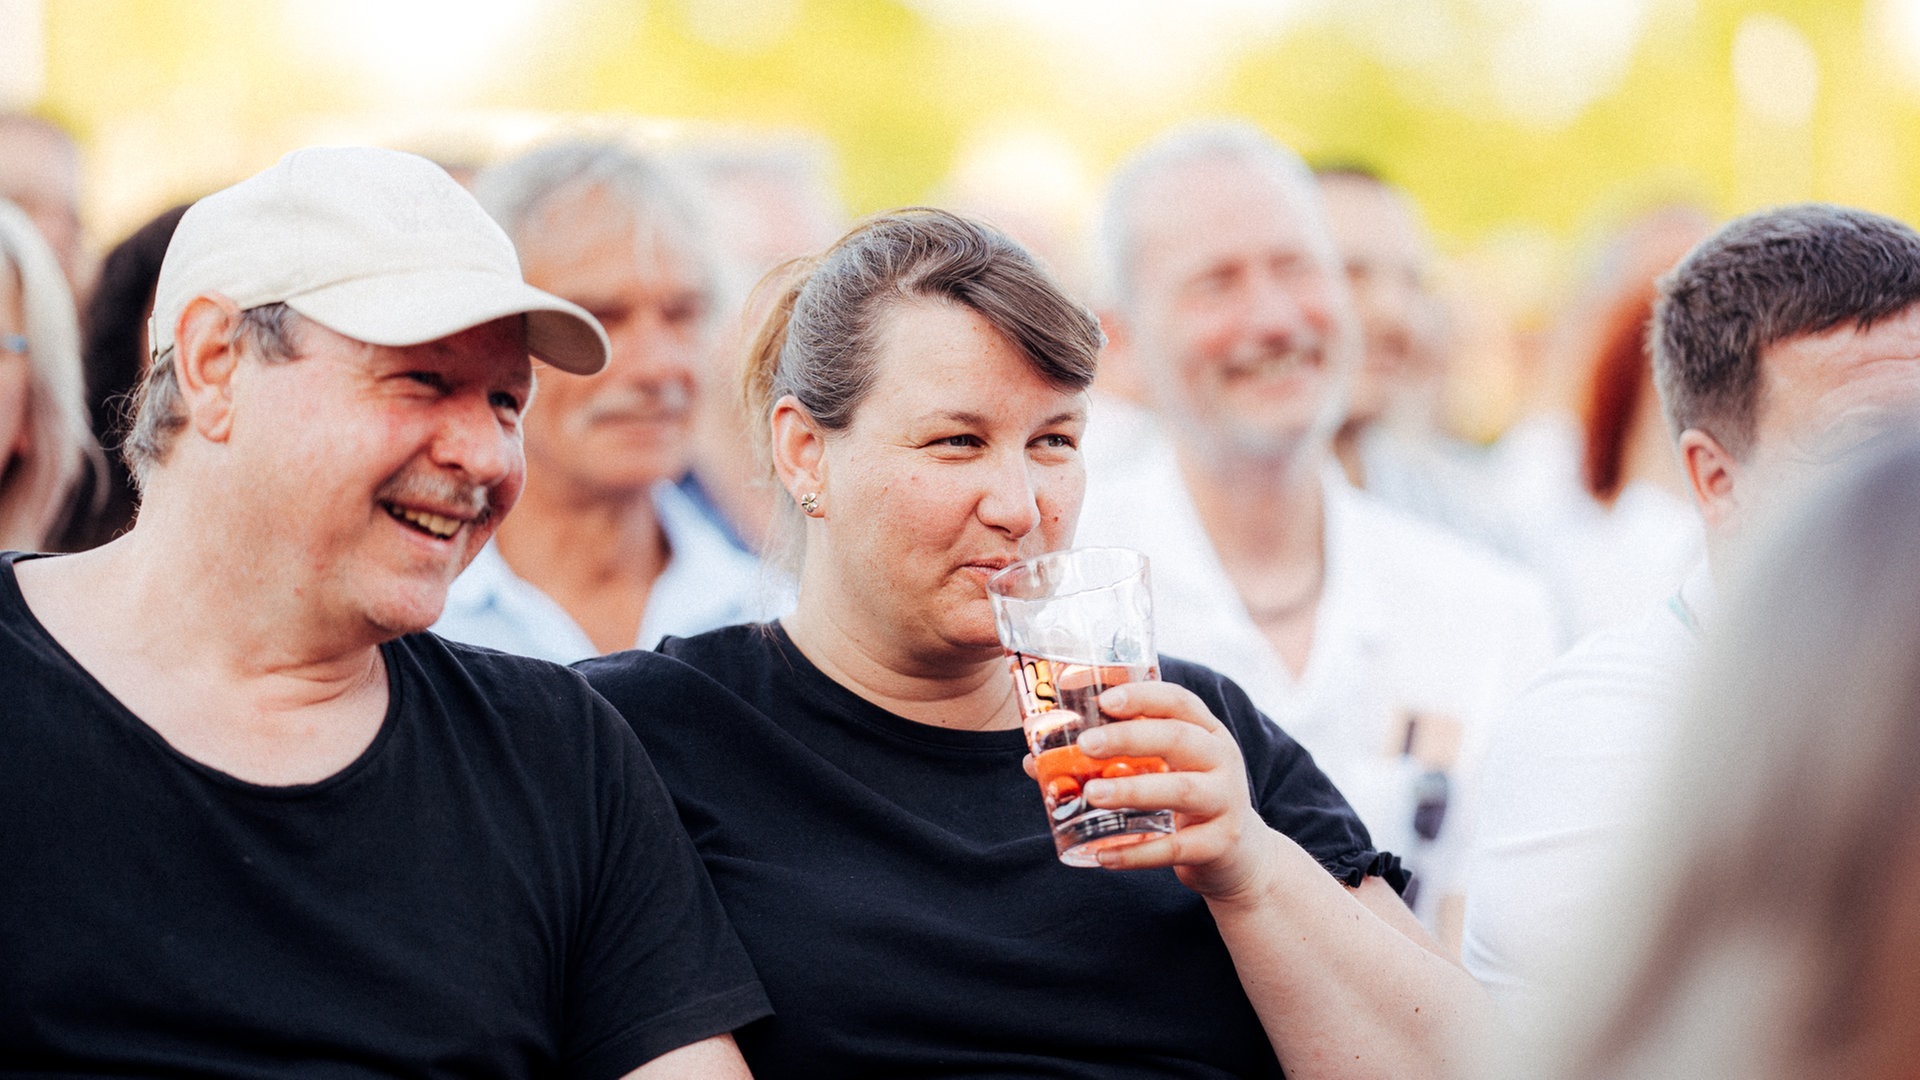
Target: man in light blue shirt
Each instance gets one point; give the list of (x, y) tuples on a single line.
[(603, 553)]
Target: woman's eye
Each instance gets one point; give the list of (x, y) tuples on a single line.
[(1057, 442)]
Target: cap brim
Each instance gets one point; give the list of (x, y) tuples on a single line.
[(415, 308)]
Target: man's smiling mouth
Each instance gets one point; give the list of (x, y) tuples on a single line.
[(434, 525)]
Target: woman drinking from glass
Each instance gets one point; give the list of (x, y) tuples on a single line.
[(852, 774)]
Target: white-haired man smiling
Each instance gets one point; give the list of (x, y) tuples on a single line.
[(1381, 643)]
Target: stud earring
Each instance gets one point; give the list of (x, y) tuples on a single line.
[(810, 504)]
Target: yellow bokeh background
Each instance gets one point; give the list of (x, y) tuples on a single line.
[(901, 88), (1525, 129)]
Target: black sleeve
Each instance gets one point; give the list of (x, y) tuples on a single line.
[(1288, 789), (657, 965)]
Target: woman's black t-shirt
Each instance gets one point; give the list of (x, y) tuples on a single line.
[(897, 887)]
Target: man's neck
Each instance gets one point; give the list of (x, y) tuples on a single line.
[(1348, 451), (1650, 457), (192, 642), (746, 502), (198, 590), (738, 485), (596, 555), (1268, 513), (1267, 523)]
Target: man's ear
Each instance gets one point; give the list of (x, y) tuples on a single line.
[(799, 450), (205, 357), (1120, 361), (1712, 473)]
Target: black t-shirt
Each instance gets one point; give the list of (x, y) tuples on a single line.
[(496, 887), (898, 890)]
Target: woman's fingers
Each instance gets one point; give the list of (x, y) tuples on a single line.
[(1190, 794), (1204, 784), (1155, 698), (1188, 847), (1183, 744)]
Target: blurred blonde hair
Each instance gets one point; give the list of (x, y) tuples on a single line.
[(34, 486), (1771, 929)]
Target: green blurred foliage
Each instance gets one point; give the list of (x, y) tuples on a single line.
[(897, 92)]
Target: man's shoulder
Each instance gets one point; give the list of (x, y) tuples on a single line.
[(1646, 653), (1618, 684), (523, 693), (721, 650), (435, 654)]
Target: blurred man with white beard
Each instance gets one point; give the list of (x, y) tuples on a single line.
[(1381, 643), (606, 553)]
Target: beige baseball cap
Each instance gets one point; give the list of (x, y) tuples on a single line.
[(378, 245)]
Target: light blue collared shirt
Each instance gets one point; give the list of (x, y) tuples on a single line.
[(707, 583)]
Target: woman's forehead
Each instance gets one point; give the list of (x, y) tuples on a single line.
[(945, 358)]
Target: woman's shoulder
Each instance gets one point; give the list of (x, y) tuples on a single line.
[(730, 655), (1223, 696), (683, 672)]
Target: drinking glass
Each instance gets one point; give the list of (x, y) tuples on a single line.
[(1073, 623)]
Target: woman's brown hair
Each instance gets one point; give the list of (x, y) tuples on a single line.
[(820, 336)]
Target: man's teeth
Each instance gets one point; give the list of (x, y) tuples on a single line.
[(442, 527), (1269, 366)]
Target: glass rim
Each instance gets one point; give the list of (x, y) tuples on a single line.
[(1141, 565)]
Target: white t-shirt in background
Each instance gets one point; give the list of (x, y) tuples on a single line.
[(1567, 772), (1412, 622)]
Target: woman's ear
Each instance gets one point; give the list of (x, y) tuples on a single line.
[(205, 357), (799, 450)]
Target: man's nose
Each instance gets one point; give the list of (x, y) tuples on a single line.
[(647, 347), (1277, 309), (475, 441)]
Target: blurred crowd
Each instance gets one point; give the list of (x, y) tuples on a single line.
[(1627, 688)]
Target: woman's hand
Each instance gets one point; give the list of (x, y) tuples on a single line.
[(1221, 848)]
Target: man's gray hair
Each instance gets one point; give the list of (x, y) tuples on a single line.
[(664, 201), (159, 411), (1761, 280), (1116, 229)]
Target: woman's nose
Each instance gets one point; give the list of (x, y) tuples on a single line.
[(1010, 504)]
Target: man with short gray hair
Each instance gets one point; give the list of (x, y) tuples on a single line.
[(1781, 342), (255, 821), (1382, 644), (606, 553)]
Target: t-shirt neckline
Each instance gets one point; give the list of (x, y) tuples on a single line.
[(840, 700), (11, 596)]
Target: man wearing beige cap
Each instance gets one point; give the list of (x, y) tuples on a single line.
[(606, 553), (252, 819)]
